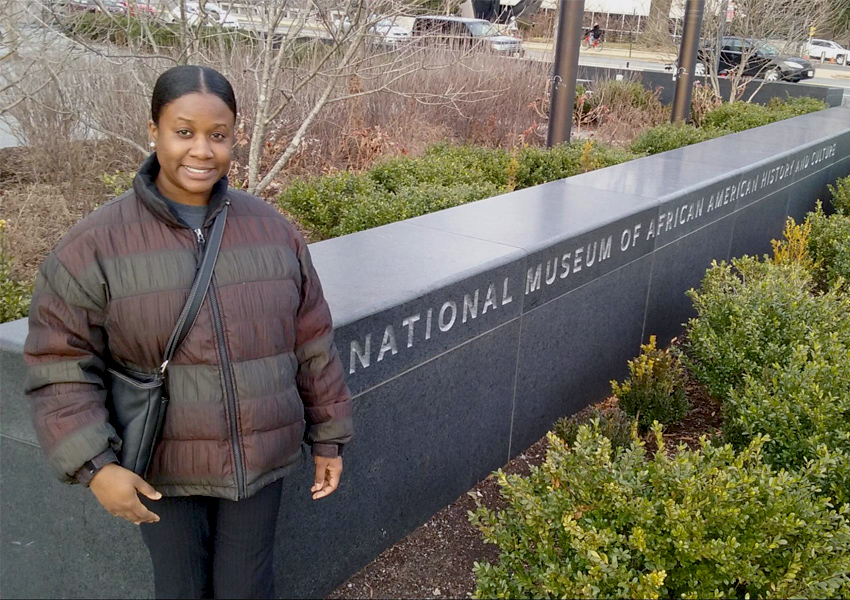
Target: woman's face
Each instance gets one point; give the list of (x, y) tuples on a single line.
[(194, 138)]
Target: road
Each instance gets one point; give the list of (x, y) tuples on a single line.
[(828, 75)]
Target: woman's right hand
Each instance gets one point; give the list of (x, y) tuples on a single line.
[(118, 489)]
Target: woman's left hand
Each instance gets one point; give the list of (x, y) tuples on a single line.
[(328, 472)]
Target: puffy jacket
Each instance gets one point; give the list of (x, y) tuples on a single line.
[(257, 371)]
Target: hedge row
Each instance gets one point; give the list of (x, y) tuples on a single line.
[(726, 118), (765, 514), (446, 176)]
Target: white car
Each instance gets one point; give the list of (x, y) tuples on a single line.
[(828, 50), (391, 34), (212, 12)]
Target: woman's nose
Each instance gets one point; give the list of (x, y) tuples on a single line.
[(201, 148)]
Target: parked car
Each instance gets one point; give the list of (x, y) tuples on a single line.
[(763, 60), (212, 13), (387, 32), (827, 50), (462, 32)]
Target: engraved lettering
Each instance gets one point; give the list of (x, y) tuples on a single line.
[(605, 248), (532, 280), (490, 300), (577, 260), (442, 321), (590, 256), (565, 264), (551, 273), (505, 298), (470, 309), (409, 322), (360, 353), (388, 345)]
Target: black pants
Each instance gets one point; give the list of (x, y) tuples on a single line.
[(211, 548)]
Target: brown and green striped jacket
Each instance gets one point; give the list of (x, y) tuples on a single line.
[(111, 292)]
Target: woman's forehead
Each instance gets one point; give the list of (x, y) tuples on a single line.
[(199, 107)]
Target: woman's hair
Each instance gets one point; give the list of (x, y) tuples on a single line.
[(188, 79)]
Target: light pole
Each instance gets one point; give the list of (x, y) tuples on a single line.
[(565, 72), (687, 60)]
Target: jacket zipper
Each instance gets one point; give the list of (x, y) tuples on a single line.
[(230, 392)]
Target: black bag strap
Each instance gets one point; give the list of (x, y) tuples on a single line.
[(198, 291)]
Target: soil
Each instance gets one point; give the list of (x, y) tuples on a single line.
[(436, 560)]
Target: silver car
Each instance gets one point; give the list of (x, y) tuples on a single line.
[(462, 32)]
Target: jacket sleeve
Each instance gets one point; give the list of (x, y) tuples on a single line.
[(65, 352), (320, 377)]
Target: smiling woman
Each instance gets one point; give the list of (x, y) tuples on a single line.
[(192, 132), (252, 370)]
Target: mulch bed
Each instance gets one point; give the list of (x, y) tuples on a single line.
[(436, 560)]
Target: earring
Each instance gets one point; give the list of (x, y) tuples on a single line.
[(152, 144)]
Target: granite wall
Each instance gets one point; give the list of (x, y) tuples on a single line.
[(764, 92), (465, 334)]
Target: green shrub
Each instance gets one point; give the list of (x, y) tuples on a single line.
[(707, 523), (446, 176), (794, 107), (539, 165), (383, 208), (801, 405), (841, 195), (655, 388), (118, 182), (613, 423), (444, 165), (14, 296), (752, 314), (321, 203), (829, 247), (739, 116), (123, 30), (667, 136)]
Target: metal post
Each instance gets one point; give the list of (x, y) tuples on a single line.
[(565, 72), (687, 60)]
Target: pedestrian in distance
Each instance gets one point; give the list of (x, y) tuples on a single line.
[(180, 350)]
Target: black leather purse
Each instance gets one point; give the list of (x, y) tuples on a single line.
[(138, 402)]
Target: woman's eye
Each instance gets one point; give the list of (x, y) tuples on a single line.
[(184, 133), (218, 136)]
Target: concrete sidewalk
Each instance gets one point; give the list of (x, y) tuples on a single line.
[(650, 56)]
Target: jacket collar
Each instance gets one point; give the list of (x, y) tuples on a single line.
[(148, 194)]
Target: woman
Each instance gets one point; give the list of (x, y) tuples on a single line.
[(257, 374)]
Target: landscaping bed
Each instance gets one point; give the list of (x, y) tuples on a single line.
[(436, 560), (388, 178), (748, 498)]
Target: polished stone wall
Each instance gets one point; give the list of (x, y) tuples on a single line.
[(761, 92), (465, 334)]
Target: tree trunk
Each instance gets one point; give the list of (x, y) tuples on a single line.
[(657, 30)]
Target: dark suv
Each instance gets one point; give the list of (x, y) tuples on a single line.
[(763, 61), (463, 33)]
